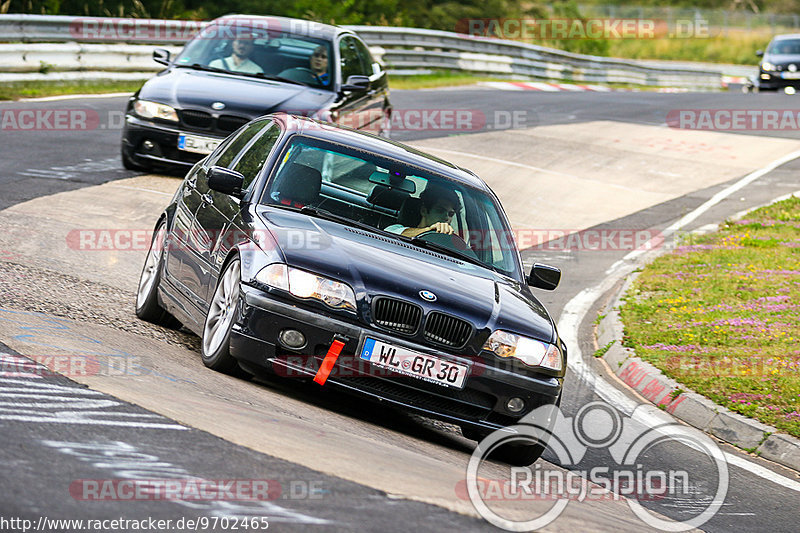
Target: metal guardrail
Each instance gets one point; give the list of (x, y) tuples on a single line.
[(406, 49)]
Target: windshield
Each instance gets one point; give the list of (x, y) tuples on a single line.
[(785, 46), (258, 52), (395, 197)]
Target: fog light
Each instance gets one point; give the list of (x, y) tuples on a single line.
[(515, 405), (148, 145), (789, 90), (291, 338)]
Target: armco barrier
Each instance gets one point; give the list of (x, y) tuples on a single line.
[(401, 49)]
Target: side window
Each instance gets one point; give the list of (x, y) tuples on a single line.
[(253, 158), (237, 145), (365, 56), (351, 59)]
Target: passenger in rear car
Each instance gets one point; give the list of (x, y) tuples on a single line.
[(239, 60), (439, 205)]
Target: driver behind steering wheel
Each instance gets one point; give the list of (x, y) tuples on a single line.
[(319, 64), (439, 205)]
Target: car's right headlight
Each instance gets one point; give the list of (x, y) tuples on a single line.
[(147, 109), (529, 351), (306, 285), (766, 65)]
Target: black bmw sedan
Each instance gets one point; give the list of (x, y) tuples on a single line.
[(242, 67), (780, 64), (311, 251)]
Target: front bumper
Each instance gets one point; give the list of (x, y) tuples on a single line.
[(481, 404), (775, 81), (164, 153)]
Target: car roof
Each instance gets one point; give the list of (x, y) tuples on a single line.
[(786, 36), (378, 145), (313, 29)]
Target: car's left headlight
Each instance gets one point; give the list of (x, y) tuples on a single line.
[(529, 351), (306, 285), (147, 109), (766, 66)]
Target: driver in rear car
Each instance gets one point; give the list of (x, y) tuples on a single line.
[(439, 205)]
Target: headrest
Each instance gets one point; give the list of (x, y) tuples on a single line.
[(386, 197), (300, 185), (410, 213)]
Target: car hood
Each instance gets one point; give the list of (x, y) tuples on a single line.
[(252, 97), (782, 59), (376, 265)]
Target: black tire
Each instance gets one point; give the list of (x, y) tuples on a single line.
[(129, 164), (518, 454), (147, 306), (215, 346)]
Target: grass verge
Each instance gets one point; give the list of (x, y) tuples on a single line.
[(721, 315), (35, 89)]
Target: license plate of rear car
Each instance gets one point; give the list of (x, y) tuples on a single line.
[(790, 75), (410, 363), (197, 144)]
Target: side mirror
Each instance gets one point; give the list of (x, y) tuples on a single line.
[(225, 181), (544, 277), (760, 53), (356, 83), (161, 55)]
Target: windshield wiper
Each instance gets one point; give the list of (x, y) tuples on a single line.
[(322, 213), (286, 80), (198, 66), (422, 243)]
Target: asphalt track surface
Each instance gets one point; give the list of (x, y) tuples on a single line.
[(38, 456)]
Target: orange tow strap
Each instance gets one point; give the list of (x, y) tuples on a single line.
[(327, 363)]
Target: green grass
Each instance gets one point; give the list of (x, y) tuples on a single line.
[(600, 352), (13, 91), (438, 79), (721, 315), (737, 48)]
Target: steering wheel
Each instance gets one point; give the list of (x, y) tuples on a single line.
[(452, 241), (301, 70)]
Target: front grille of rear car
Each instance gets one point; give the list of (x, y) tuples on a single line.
[(196, 119), (447, 330), (397, 315), (231, 123)]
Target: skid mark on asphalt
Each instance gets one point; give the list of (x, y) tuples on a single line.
[(70, 172), (30, 398), (126, 461), (49, 334)]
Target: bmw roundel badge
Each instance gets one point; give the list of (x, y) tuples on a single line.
[(428, 296), (217, 106)]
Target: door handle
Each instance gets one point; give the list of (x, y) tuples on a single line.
[(207, 199)]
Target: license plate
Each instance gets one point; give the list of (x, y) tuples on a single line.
[(790, 75), (415, 364), (197, 144)]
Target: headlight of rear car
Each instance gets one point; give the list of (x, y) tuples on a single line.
[(766, 65), (146, 109), (306, 285), (529, 351)]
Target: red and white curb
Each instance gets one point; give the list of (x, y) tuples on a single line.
[(567, 87), (541, 86), (692, 408)]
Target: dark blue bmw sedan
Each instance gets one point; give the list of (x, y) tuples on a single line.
[(309, 250), (241, 67)]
